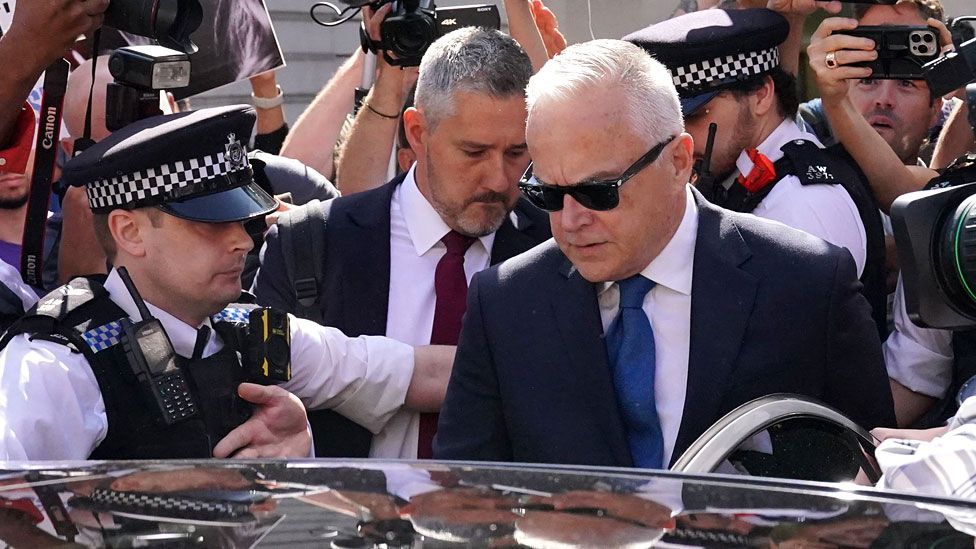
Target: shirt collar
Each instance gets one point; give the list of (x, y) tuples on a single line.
[(772, 147), (674, 266), (181, 335), (424, 224)]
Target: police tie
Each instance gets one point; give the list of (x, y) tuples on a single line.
[(451, 291), (630, 347), (203, 337)]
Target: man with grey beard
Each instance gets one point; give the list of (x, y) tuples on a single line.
[(396, 260)]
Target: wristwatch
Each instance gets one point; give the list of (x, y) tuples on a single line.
[(268, 102)]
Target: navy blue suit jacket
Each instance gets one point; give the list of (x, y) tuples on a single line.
[(355, 292), (772, 310)]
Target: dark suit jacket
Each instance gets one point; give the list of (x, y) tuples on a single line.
[(355, 292), (772, 310)]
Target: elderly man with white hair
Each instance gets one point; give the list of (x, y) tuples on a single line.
[(652, 313)]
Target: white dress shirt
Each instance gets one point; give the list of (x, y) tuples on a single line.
[(918, 358), (825, 211), (51, 406), (416, 230), (668, 307)]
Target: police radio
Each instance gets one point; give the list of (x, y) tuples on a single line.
[(703, 179), (152, 358)]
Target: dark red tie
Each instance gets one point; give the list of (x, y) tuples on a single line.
[(451, 291)]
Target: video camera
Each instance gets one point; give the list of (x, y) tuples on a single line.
[(935, 230), (413, 25)]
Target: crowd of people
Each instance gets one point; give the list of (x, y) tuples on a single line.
[(589, 254)]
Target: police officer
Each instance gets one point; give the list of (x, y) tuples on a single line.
[(725, 65), (87, 374)]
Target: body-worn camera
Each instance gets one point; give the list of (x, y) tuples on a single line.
[(413, 25), (902, 50), (268, 353)]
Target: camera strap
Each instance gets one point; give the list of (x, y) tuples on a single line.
[(85, 140), (45, 156)]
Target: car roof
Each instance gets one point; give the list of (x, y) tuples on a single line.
[(350, 502)]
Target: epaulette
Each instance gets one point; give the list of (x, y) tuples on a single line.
[(812, 165), (236, 313), (63, 306)]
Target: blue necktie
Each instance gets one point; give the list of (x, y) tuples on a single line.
[(630, 347)]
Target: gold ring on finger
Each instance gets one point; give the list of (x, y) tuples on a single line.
[(831, 60)]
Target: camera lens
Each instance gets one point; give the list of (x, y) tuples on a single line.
[(409, 35), (916, 38), (928, 38), (169, 21), (923, 50), (957, 256)]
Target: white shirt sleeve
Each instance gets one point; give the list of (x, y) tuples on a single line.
[(50, 404), (945, 467), (918, 358), (363, 378)]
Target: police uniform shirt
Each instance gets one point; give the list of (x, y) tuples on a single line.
[(52, 407), (825, 211), (416, 230), (11, 279)]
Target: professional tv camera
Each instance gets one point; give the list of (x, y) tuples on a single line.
[(412, 26), (935, 229)]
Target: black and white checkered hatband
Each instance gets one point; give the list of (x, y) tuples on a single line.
[(173, 181), (714, 73)]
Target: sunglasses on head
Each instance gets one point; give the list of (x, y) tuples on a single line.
[(594, 195)]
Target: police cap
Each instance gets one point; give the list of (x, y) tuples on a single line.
[(711, 50), (192, 165)]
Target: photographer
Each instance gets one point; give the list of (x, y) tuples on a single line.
[(882, 124), (870, 115), (365, 154)]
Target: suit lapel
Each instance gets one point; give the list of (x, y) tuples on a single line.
[(722, 299), (513, 238), (363, 239), (574, 304)]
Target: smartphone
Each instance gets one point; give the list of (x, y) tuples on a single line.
[(902, 50)]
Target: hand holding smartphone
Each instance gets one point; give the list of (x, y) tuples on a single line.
[(902, 50)]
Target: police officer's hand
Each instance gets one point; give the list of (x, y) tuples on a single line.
[(52, 26), (831, 52), (278, 427)]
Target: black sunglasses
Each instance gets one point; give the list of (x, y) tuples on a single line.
[(594, 195)]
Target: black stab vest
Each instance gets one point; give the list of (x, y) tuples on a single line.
[(81, 316)]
